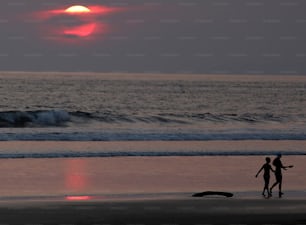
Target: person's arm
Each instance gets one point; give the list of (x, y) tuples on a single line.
[(282, 166), (285, 167), (272, 169), (259, 171)]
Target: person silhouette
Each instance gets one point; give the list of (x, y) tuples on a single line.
[(266, 167), (278, 174)]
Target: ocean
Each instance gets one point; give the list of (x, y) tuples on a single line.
[(109, 136), (88, 108)]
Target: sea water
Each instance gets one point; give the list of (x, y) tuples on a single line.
[(106, 134), (91, 108)]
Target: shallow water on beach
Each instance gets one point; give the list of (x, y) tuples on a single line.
[(109, 149), (143, 177)]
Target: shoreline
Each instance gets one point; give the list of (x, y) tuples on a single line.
[(290, 195), (83, 149)]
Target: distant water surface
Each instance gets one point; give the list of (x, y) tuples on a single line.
[(112, 107)]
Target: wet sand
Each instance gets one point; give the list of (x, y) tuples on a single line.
[(187, 211), (136, 175), (147, 190)]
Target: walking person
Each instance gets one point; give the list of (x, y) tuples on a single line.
[(266, 168), (278, 174)]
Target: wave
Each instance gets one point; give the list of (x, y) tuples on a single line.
[(185, 118), (55, 118), (69, 126), (151, 136), (39, 118), (144, 154)]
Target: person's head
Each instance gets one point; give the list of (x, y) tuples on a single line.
[(279, 155), (268, 160)]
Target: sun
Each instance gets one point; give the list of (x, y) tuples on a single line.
[(77, 9)]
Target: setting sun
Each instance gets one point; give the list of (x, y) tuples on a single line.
[(84, 21), (77, 9)]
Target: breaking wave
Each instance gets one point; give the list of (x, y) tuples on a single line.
[(61, 125), (54, 118), (38, 118)]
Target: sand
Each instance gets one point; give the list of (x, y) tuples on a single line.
[(187, 211), (147, 190), (136, 175)]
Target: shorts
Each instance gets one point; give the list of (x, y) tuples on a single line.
[(278, 177)]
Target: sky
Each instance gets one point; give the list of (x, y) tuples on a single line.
[(156, 36)]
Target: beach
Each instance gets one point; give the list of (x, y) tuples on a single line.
[(187, 212), (133, 149), (125, 113), (132, 173), (146, 190)]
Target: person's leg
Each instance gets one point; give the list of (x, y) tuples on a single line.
[(263, 191), (279, 179), (266, 187), (280, 184), (276, 182)]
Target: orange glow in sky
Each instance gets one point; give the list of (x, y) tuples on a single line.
[(85, 22), (81, 31)]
